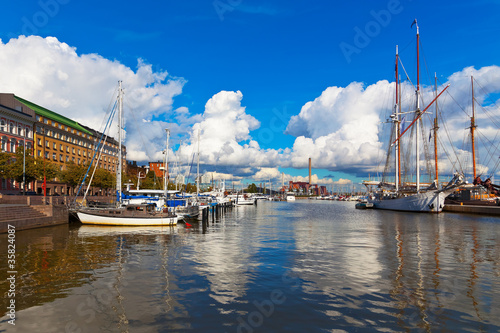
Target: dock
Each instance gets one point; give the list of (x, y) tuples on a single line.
[(472, 209)]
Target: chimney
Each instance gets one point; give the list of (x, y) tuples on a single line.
[(309, 171)]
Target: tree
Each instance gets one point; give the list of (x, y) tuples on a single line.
[(5, 159), (251, 188), (73, 174), (103, 179), (16, 166)]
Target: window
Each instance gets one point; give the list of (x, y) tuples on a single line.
[(2, 125), (4, 144), (39, 153), (78, 160), (73, 150), (78, 151), (39, 141), (60, 126), (67, 158), (45, 121), (12, 145), (61, 148), (38, 129), (60, 158), (54, 145), (47, 155), (38, 118), (55, 124), (73, 159), (19, 130), (28, 132), (54, 156), (67, 149), (47, 144), (11, 130)]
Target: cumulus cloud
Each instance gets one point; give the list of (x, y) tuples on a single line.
[(341, 129), (81, 86), (225, 139)]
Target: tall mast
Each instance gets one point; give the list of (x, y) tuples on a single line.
[(198, 169), (165, 166), (396, 125), (417, 111), (120, 126), (435, 133), (399, 132), (472, 128)]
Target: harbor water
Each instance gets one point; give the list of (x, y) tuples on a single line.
[(304, 266)]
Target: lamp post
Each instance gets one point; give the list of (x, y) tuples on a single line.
[(24, 163)]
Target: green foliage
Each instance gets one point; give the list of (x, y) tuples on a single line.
[(73, 174), (11, 166), (103, 179), (251, 188)]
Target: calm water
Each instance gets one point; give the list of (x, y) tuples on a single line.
[(308, 266)]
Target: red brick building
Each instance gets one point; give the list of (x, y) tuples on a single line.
[(16, 128)]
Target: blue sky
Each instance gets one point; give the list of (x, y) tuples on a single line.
[(279, 54)]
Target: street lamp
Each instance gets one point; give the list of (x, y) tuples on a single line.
[(24, 162)]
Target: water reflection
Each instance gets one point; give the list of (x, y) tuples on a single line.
[(304, 266)]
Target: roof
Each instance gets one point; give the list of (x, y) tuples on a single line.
[(52, 115)]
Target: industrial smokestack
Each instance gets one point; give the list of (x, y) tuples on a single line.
[(309, 171)]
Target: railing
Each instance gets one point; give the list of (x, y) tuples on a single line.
[(49, 200)]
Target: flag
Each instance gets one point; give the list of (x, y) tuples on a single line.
[(414, 22), (44, 186), (403, 124), (430, 136)]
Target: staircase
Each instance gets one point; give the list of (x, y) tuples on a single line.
[(35, 216), (13, 213)]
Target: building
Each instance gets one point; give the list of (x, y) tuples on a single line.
[(303, 188), (157, 168), (16, 128), (60, 140)]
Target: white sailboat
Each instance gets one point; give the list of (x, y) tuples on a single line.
[(144, 214), (409, 197)]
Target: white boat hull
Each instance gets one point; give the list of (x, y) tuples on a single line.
[(428, 202), (88, 218)]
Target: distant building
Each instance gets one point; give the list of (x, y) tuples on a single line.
[(157, 168)]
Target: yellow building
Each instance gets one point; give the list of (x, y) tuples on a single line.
[(62, 140)]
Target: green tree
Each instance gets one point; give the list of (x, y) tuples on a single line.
[(103, 179), (251, 188), (5, 160), (73, 174)]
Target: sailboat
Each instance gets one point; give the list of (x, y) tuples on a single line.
[(130, 214), (480, 192), (409, 197)]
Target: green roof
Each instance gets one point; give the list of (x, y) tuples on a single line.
[(52, 115)]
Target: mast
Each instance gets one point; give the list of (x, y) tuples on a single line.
[(435, 133), (417, 111), (396, 125), (165, 166), (472, 128), (399, 132), (120, 126), (198, 169)]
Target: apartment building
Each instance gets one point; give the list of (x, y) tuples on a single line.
[(16, 129), (61, 140)]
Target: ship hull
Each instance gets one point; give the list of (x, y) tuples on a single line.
[(427, 202), (102, 219)]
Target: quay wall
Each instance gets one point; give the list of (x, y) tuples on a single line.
[(472, 209)]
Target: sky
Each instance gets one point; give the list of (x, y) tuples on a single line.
[(267, 84)]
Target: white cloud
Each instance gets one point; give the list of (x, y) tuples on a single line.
[(340, 129), (51, 73)]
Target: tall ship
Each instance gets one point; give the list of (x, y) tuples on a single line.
[(412, 196)]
